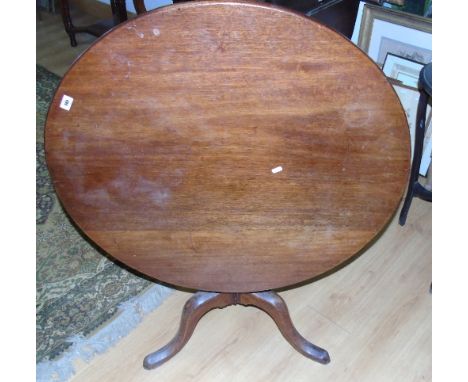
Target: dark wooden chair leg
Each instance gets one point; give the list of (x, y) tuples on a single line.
[(119, 15), (414, 188), (274, 305), (119, 11), (198, 305), (139, 6), (67, 22)]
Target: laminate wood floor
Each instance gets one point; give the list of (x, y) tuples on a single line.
[(53, 49), (373, 316)]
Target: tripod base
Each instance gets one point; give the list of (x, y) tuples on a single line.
[(202, 302)]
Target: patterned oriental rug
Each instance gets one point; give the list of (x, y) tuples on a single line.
[(85, 301)]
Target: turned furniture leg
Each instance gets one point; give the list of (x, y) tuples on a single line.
[(119, 15), (119, 11), (67, 22), (415, 189), (139, 6), (202, 302), (198, 305)]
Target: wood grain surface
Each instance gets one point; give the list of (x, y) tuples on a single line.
[(202, 302), (165, 157)]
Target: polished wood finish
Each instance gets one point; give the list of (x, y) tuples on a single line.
[(197, 306), (376, 309), (179, 116), (275, 306), (374, 317), (337, 14), (141, 8), (202, 302)]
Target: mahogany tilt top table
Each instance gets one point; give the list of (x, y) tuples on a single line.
[(228, 147)]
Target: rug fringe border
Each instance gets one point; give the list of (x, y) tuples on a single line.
[(130, 314)]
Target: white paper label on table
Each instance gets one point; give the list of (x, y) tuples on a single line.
[(66, 102)]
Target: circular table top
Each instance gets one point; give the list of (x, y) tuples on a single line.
[(227, 146)]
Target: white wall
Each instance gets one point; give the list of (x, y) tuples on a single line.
[(150, 4)]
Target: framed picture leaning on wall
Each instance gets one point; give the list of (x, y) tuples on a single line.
[(385, 30), (402, 69)]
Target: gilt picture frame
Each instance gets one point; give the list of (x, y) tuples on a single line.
[(384, 30)]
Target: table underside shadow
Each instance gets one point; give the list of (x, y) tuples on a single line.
[(202, 302)]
